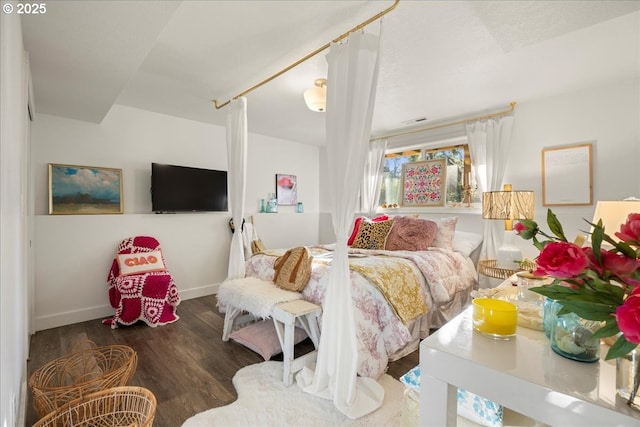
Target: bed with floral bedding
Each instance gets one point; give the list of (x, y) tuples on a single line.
[(398, 294)]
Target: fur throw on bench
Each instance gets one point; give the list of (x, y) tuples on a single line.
[(254, 295)]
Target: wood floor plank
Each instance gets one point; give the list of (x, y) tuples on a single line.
[(185, 364)]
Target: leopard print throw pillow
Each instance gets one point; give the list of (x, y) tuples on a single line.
[(372, 235)]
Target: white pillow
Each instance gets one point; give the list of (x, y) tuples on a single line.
[(142, 262), (445, 232), (465, 242)]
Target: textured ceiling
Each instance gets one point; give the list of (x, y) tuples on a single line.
[(439, 59)]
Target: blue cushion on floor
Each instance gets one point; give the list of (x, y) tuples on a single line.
[(470, 406)]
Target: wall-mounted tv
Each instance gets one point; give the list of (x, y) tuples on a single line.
[(186, 189)]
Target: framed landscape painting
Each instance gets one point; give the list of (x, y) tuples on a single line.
[(424, 183), (84, 190)]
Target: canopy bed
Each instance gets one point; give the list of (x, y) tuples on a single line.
[(398, 295)]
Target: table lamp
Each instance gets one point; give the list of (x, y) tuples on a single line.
[(614, 213), (508, 205)]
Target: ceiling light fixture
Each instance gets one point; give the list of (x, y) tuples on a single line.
[(316, 97)]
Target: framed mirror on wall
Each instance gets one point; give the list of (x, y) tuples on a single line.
[(567, 175)]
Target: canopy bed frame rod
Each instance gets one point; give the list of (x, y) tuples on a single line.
[(310, 55), (451, 123)]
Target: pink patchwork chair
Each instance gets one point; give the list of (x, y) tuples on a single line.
[(140, 287)]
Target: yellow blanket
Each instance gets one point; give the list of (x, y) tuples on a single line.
[(396, 281), (393, 277)]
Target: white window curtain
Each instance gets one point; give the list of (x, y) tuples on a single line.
[(489, 143), (351, 89), (237, 166), (373, 176)]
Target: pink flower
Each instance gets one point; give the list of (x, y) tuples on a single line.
[(628, 317), (616, 264), (630, 230), (619, 264), (520, 227), (561, 260)]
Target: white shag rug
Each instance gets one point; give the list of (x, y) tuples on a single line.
[(263, 400)]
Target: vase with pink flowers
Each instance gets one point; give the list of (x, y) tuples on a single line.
[(600, 282)]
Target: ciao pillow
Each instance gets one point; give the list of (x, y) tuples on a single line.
[(143, 262)]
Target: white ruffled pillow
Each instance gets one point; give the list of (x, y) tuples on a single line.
[(465, 242), (445, 232)]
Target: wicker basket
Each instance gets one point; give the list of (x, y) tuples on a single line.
[(488, 267), (80, 373), (118, 406)]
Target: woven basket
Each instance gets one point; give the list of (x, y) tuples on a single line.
[(80, 373), (488, 267), (118, 406)]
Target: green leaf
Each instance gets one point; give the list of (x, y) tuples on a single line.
[(624, 248), (555, 226), (620, 348), (555, 291), (609, 329), (589, 310), (596, 241), (537, 244)]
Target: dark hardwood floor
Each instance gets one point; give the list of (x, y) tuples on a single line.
[(185, 364)]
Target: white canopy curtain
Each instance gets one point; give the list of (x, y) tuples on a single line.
[(489, 143), (237, 165), (351, 89), (373, 176)]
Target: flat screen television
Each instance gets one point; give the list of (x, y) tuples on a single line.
[(186, 189)]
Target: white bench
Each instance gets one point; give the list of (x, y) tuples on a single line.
[(248, 299)]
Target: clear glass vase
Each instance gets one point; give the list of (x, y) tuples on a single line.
[(572, 337), (549, 310), (628, 378)]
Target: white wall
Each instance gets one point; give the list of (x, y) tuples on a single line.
[(73, 253), (607, 116), (13, 220)]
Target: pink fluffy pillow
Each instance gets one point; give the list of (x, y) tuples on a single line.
[(410, 234), (262, 338)]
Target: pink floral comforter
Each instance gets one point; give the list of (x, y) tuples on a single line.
[(446, 277)]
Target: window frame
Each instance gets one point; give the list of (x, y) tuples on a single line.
[(466, 205)]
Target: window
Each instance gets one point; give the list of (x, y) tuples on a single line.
[(458, 174)]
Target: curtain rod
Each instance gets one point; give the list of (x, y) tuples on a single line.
[(312, 54), (447, 124)]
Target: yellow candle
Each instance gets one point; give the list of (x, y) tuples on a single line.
[(494, 317)]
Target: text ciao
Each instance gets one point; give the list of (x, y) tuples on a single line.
[(140, 260)]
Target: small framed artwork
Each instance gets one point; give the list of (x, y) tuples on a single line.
[(567, 177), (84, 190), (424, 183), (286, 189)]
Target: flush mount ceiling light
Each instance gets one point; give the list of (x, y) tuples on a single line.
[(316, 97)]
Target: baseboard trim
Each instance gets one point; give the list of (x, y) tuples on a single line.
[(199, 292), (71, 317), (103, 311)]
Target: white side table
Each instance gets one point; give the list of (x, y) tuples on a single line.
[(522, 374)]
